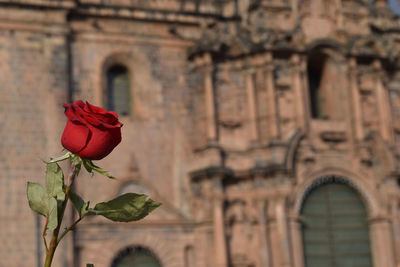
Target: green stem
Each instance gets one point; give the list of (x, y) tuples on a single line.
[(54, 238), (44, 234), (69, 229)]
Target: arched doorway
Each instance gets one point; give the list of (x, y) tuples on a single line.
[(136, 257), (335, 227)]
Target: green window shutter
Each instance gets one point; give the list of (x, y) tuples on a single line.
[(119, 90), (335, 228)]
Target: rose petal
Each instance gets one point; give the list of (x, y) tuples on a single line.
[(95, 109), (71, 114), (79, 103), (102, 143), (75, 137), (109, 117), (86, 117)]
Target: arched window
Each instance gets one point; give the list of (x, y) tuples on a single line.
[(118, 91), (335, 228), (136, 257)]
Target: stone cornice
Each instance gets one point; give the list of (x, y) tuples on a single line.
[(39, 4)]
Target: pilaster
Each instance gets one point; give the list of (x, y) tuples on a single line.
[(265, 254), (381, 242), (209, 97), (296, 237), (251, 101), (383, 104), (298, 88), (278, 231), (356, 101), (204, 63), (218, 225), (270, 88)]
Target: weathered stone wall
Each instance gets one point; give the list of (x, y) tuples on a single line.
[(34, 83), (154, 147), (221, 129)]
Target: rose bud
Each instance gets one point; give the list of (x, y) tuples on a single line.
[(91, 132)]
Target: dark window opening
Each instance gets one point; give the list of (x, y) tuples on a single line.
[(136, 257), (315, 70), (118, 90)]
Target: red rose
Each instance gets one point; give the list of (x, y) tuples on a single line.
[(91, 132)]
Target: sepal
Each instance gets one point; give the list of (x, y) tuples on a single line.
[(90, 167), (64, 157)]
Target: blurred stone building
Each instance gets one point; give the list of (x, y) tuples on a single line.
[(269, 129)]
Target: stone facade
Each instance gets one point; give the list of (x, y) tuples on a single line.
[(239, 110)]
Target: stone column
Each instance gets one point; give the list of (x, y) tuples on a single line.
[(297, 244), (381, 242), (298, 91), (209, 98), (265, 257), (251, 101), (283, 229), (394, 210), (383, 104), (339, 14), (203, 246), (356, 101), (279, 234), (219, 225), (270, 88), (295, 9), (276, 251), (305, 89)]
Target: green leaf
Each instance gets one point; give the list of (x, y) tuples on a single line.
[(64, 157), (90, 167), (37, 197), (81, 206), (77, 201), (89, 265), (40, 202), (53, 220), (55, 181), (126, 208)]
